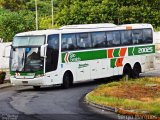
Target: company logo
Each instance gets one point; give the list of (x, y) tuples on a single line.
[(66, 57), (83, 65), (145, 50), (74, 58), (71, 57)]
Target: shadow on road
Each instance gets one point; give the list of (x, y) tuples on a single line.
[(75, 85)]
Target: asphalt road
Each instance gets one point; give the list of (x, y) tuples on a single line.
[(53, 103)]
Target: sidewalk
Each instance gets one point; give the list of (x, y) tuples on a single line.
[(5, 85)]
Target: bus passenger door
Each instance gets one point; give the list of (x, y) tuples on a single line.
[(52, 58)]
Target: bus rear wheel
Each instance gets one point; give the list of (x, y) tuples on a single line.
[(136, 71), (127, 72)]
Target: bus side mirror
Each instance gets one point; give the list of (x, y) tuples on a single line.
[(6, 52), (43, 50)]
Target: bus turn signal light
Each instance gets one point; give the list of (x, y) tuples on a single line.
[(128, 27)]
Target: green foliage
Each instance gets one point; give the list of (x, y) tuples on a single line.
[(76, 12), (157, 29), (115, 11), (86, 12), (15, 22), (44, 7), (13, 5), (45, 22)]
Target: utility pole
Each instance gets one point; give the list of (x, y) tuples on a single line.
[(36, 15), (52, 13)]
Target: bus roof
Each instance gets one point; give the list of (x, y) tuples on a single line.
[(89, 26), (86, 28), (37, 32), (136, 26)]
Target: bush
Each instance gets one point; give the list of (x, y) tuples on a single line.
[(2, 77)]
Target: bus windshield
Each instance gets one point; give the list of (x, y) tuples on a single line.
[(20, 41), (26, 59)]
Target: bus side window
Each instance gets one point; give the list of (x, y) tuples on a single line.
[(68, 42), (113, 38), (137, 36), (84, 41), (117, 39), (126, 37), (98, 39), (110, 39), (147, 36), (53, 42)]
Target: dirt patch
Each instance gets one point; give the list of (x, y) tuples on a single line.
[(135, 92), (141, 95)]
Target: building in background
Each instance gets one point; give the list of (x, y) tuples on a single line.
[(4, 62), (157, 37)]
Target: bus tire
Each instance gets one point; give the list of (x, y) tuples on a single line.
[(66, 80), (127, 72), (136, 71), (36, 87)]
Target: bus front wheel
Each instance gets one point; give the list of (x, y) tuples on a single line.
[(66, 81), (36, 87)]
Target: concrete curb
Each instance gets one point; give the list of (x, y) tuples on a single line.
[(5, 85), (121, 111), (107, 108)]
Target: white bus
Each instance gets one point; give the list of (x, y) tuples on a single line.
[(77, 53)]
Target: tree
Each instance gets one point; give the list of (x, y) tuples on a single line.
[(45, 22), (44, 7), (85, 11), (91, 11), (15, 22), (13, 5)]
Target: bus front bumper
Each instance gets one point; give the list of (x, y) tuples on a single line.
[(27, 82)]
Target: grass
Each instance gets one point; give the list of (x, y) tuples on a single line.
[(141, 95)]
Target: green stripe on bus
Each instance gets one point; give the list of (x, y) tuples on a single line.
[(82, 56), (116, 52), (140, 50), (130, 51), (63, 56), (100, 54), (113, 61)]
